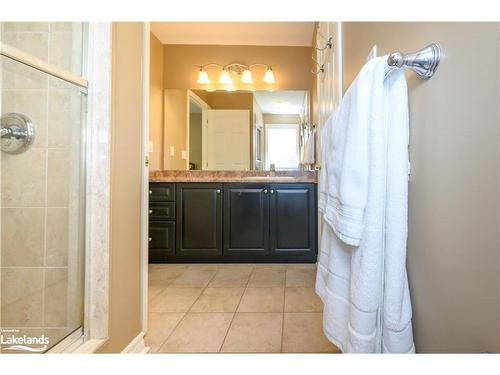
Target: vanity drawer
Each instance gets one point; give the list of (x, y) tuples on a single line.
[(161, 192), (163, 212)]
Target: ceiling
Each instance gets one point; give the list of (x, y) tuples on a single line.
[(280, 102), (235, 33)]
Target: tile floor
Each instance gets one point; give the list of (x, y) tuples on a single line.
[(235, 308)]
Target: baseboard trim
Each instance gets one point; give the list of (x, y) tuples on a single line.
[(136, 346)]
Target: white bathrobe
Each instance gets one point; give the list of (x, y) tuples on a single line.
[(363, 197)]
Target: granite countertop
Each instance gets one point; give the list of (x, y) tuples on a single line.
[(234, 176)]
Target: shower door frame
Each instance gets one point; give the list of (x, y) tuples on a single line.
[(95, 82)]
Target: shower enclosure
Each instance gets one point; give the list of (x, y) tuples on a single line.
[(42, 184)]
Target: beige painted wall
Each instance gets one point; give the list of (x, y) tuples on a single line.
[(175, 128), (453, 246), (126, 164), (281, 119), (291, 65), (156, 103)]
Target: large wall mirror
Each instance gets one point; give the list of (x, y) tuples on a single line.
[(220, 130)]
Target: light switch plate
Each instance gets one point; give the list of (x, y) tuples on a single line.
[(172, 150), (151, 146), (183, 155)]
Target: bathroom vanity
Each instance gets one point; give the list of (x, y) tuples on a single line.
[(202, 216)]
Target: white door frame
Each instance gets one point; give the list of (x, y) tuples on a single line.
[(145, 177), (204, 108)]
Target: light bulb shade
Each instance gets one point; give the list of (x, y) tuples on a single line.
[(246, 77), (269, 76), (203, 78), (224, 78)]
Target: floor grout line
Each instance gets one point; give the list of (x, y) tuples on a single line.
[(236, 310), (245, 288), (186, 312)]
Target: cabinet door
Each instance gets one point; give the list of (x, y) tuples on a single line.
[(293, 219), (161, 241), (199, 220), (246, 220)]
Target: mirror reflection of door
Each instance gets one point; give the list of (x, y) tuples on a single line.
[(228, 140)]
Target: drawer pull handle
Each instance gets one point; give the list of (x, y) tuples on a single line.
[(150, 239)]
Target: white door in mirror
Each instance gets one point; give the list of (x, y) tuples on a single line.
[(227, 140)]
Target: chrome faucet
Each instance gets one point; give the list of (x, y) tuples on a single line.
[(272, 168)]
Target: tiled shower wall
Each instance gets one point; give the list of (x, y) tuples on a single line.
[(41, 259)]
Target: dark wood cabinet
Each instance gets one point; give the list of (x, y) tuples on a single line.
[(161, 222), (232, 222), (199, 220), (161, 240), (246, 220), (292, 219)]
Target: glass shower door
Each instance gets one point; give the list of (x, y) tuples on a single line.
[(42, 190)]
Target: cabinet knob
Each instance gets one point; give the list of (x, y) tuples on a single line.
[(272, 191), (150, 239), (151, 192), (150, 212), (218, 191), (265, 191)]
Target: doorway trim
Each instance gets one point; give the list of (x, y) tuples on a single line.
[(204, 108)]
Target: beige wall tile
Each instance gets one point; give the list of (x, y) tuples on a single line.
[(64, 117), (302, 300), (58, 178), (61, 48), (57, 334), (56, 297), (175, 299), (160, 326), (231, 277), (57, 232), (22, 236), (267, 277), (19, 76), (23, 179), (21, 297), (36, 44), (32, 103), (218, 300), (303, 333), (254, 333), (262, 300), (198, 333), (25, 27)]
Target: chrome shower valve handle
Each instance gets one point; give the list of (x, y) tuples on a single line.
[(17, 133)]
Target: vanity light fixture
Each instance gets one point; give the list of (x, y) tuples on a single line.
[(246, 77), (243, 71), (203, 77), (224, 77), (269, 76)]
